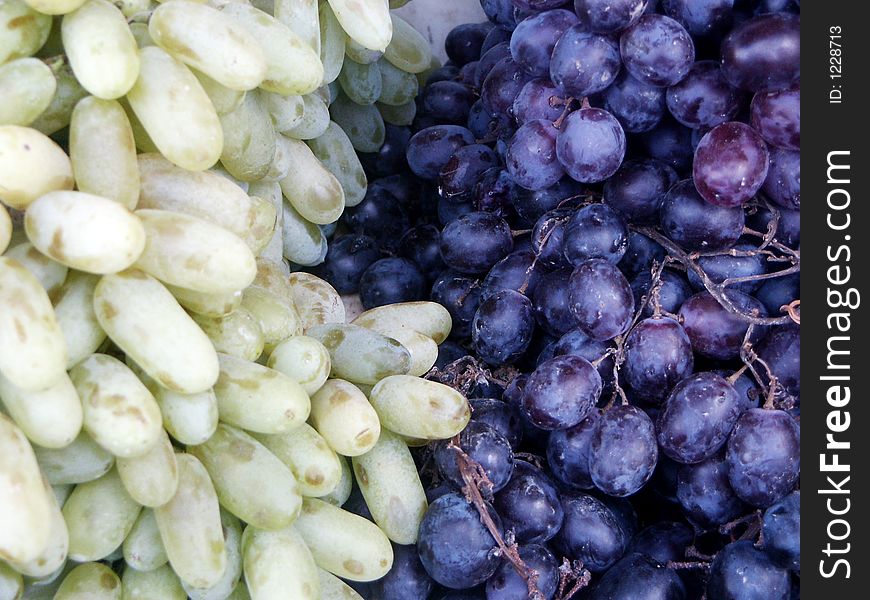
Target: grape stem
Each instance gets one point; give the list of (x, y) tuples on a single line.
[(568, 572)]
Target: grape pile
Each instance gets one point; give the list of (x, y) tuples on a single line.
[(605, 195)]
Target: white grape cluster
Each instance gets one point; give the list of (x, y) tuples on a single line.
[(181, 415)]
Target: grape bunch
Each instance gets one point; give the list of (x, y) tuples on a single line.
[(605, 196)]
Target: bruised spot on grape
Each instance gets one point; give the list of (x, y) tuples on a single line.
[(108, 581), (217, 547), (196, 262), (361, 474), (167, 380), (353, 566), (334, 338), (20, 330), (55, 249), (242, 450), (365, 438), (108, 310), (19, 22), (313, 476), (135, 274)]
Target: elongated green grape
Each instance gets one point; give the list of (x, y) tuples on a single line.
[(361, 82), (130, 8), (99, 514), (100, 48), (361, 54), (223, 99), (175, 111), (278, 565), (365, 21), (419, 408), (144, 143), (5, 229), (142, 37), (74, 311), (176, 352), (120, 414), (341, 493), (332, 43), (23, 30), (314, 121), (25, 505), (68, 91), (361, 355), (429, 318), (209, 305), (238, 333), (193, 253), (209, 41), (32, 165), (27, 87), (240, 592), (239, 465), (362, 124), (51, 418), (258, 398), (313, 191), (423, 349), (302, 17), (341, 414), (190, 527), (343, 543), (304, 360), (90, 580), (189, 418), (336, 152), (408, 49), (11, 584), (333, 588), (276, 315), (81, 461), (206, 195), (303, 241), (55, 553), (61, 492), (142, 548), (151, 479), (158, 584), (388, 480), (86, 232), (292, 66), (232, 574), (50, 273), (36, 359), (316, 301), (285, 111), (249, 139), (397, 87), (313, 463), (55, 7)]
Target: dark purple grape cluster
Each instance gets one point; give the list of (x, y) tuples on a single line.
[(605, 196)]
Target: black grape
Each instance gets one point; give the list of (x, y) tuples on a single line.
[(460, 174), (489, 59), (422, 244), (724, 266), (781, 528), (673, 290), (694, 224), (783, 183), (705, 493), (703, 99), (595, 231), (380, 216), (697, 417), (777, 117), (669, 142), (539, 99), (500, 415), (448, 352), (640, 255), (743, 572), (764, 456), (502, 84), (391, 280), (348, 256), (637, 189), (561, 392), (637, 106), (431, 148), (584, 63), (700, 17), (531, 156), (730, 164), (531, 205), (591, 145), (502, 327), (547, 237), (591, 532), (463, 42), (517, 271), (763, 54), (475, 242), (636, 577), (579, 344), (568, 453), (534, 38), (406, 579), (460, 295), (781, 350), (657, 50), (623, 453), (713, 331), (529, 505), (601, 299), (658, 354), (664, 541), (455, 547), (609, 16), (447, 102), (390, 159), (552, 303), (507, 584), (483, 444)]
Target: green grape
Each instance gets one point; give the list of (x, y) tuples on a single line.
[(238, 333), (90, 580), (362, 124), (176, 353), (27, 87), (210, 42), (361, 82), (224, 99), (51, 418), (361, 355), (341, 493), (175, 111), (269, 192), (55, 7), (28, 34), (313, 463), (419, 408), (240, 592), (5, 229), (144, 143), (332, 43), (304, 360), (408, 49), (333, 588), (249, 140), (388, 480), (190, 527), (61, 492), (54, 554), (429, 318), (398, 87), (230, 579), (142, 548), (158, 584), (258, 398), (313, 191), (316, 301), (101, 49), (143, 37), (50, 273), (32, 165), (314, 121), (11, 584), (278, 564), (189, 418), (336, 152), (103, 151), (343, 543), (286, 111), (292, 66), (68, 91), (131, 8), (151, 479), (302, 17), (341, 414), (361, 54), (80, 461), (239, 466), (209, 305), (365, 21), (38, 360), (276, 315)]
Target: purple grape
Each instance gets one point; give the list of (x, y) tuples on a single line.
[(447, 102), (494, 192), (531, 157), (609, 16), (777, 117), (500, 415), (391, 280), (703, 99), (552, 303), (591, 532), (763, 54), (640, 255), (506, 583), (534, 38), (595, 231), (517, 271), (623, 452), (568, 453), (502, 327), (421, 244), (673, 291), (406, 579), (531, 205), (496, 35), (584, 63), (636, 105), (781, 350), (743, 572), (529, 505), (463, 42), (474, 242), (484, 445), (431, 148), (705, 494), (348, 256), (779, 292), (658, 354), (539, 99), (460, 295), (445, 73), (489, 59), (380, 216), (713, 331), (561, 392), (547, 237), (639, 576), (601, 299), (500, 12), (664, 541), (501, 86), (591, 145), (657, 50), (669, 142), (700, 17), (463, 170), (781, 528), (783, 183), (697, 225), (730, 164)]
